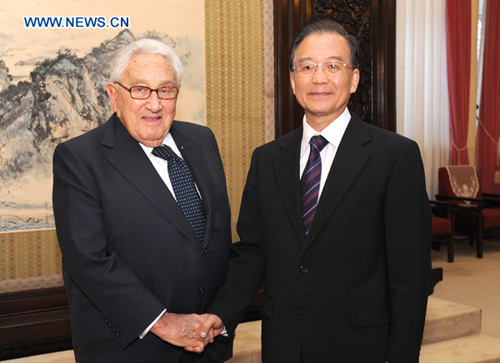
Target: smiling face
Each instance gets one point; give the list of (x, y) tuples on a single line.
[(148, 121), (324, 97)]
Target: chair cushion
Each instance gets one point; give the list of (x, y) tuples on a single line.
[(491, 218), (440, 225)]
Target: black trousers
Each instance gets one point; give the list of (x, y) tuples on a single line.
[(188, 357)]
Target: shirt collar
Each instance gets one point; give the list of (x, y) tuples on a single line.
[(168, 140), (333, 132)]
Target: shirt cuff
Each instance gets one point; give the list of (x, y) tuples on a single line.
[(143, 334)]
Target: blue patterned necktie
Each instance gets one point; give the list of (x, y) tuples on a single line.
[(185, 191), (310, 181)]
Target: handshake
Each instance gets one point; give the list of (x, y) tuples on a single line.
[(190, 331)]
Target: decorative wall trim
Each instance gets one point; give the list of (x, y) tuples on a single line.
[(268, 33), (238, 89), (29, 260)]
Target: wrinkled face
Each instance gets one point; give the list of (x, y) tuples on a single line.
[(324, 97), (148, 121)]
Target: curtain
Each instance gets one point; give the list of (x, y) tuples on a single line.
[(458, 40), (488, 131), (421, 82)]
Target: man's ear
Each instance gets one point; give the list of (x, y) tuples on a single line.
[(292, 82), (112, 94), (354, 80)]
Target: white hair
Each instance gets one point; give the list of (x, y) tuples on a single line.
[(145, 46)]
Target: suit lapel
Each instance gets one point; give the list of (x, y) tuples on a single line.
[(194, 156), (127, 156), (286, 167), (351, 156)]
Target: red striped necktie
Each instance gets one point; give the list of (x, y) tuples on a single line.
[(310, 181)]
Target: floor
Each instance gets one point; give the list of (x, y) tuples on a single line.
[(468, 280), (472, 281)]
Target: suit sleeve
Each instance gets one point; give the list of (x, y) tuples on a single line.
[(407, 224), (246, 264), (125, 304)]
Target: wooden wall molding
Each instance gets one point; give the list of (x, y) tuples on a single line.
[(34, 322)]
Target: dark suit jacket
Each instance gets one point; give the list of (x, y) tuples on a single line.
[(356, 289), (128, 251)]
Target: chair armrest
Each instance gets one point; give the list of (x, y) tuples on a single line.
[(442, 209), (491, 200), (480, 202), (440, 203), (491, 195)]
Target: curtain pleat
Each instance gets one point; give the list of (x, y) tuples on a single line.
[(458, 41), (488, 130)]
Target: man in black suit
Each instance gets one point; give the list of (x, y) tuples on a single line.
[(145, 241), (335, 219)]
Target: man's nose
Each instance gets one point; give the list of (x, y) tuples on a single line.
[(319, 75), (154, 102)]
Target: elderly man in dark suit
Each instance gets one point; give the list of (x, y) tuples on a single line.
[(143, 221), (335, 219)]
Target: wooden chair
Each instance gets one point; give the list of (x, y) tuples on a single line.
[(443, 227), (475, 213)]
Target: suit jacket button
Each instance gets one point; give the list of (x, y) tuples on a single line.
[(297, 311), (205, 251), (304, 269)]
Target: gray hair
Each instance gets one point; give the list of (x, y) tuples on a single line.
[(323, 25), (145, 46)]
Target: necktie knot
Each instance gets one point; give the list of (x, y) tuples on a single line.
[(318, 142), (165, 152)]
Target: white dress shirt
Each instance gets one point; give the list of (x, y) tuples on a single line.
[(333, 133)]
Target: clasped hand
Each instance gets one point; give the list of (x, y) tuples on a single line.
[(190, 331)]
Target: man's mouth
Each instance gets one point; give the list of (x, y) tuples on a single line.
[(319, 93), (151, 118)]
